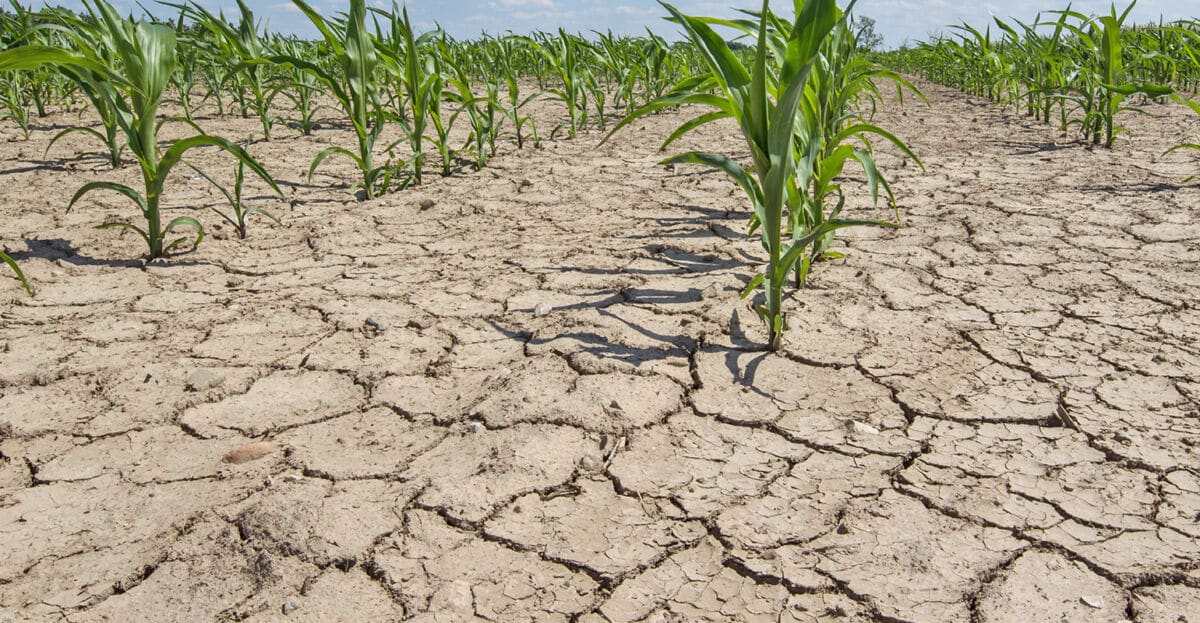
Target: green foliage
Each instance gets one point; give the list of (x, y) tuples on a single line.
[(351, 81), (133, 87), (795, 107), (17, 270), (1089, 68)]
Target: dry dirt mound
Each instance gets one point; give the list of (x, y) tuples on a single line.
[(531, 393)]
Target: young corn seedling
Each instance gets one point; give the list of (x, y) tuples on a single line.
[(483, 110), (236, 202), (238, 45), (419, 84), (147, 59), (96, 43), (14, 101), (17, 270), (352, 83), (300, 89), (566, 56), (441, 120), (841, 94), (767, 112), (508, 55), (1104, 85)]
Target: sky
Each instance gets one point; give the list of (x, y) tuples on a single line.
[(899, 21)]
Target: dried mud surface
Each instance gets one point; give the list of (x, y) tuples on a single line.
[(989, 415)]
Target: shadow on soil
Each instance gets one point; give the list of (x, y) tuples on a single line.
[(56, 249)]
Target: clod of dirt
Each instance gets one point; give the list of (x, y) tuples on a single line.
[(373, 327), (427, 204), (291, 605), (542, 309), (1093, 601), (591, 463), (250, 452), (711, 292), (860, 428), (419, 323), (204, 379)]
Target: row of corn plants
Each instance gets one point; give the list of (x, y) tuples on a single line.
[(1064, 67), (127, 77), (803, 98), (371, 63)]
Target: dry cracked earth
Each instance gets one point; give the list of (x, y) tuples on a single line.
[(531, 393)]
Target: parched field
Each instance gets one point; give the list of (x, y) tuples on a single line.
[(532, 392)]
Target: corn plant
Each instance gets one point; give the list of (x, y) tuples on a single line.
[(135, 86), (418, 83), (440, 119), (482, 108), (352, 83), (97, 43), (17, 270), (1195, 106), (1103, 88), (14, 101), (300, 88), (240, 211), (238, 45), (506, 56), (188, 77), (567, 56), (767, 110), (842, 92)]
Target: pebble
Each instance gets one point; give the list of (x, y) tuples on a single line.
[(860, 428), (542, 309), (1093, 601), (249, 452), (420, 323), (427, 204), (204, 379), (475, 427), (711, 292), (591, 463), (291, 605)]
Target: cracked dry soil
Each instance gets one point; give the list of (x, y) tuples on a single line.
[(987, 416)]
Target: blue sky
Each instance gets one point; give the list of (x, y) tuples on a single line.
[(898, 20)]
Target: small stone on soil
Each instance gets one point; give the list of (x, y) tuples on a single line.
[(204, 379), (860, 428), (373, 325), (542, 309), (250, 452), (291, 605), (591, 463)]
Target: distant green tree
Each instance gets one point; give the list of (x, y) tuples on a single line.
[(868, 39)]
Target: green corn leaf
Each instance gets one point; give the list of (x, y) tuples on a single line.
[(17, 270), (312, 169), (723, 163), (184, 221), (133, 195)]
